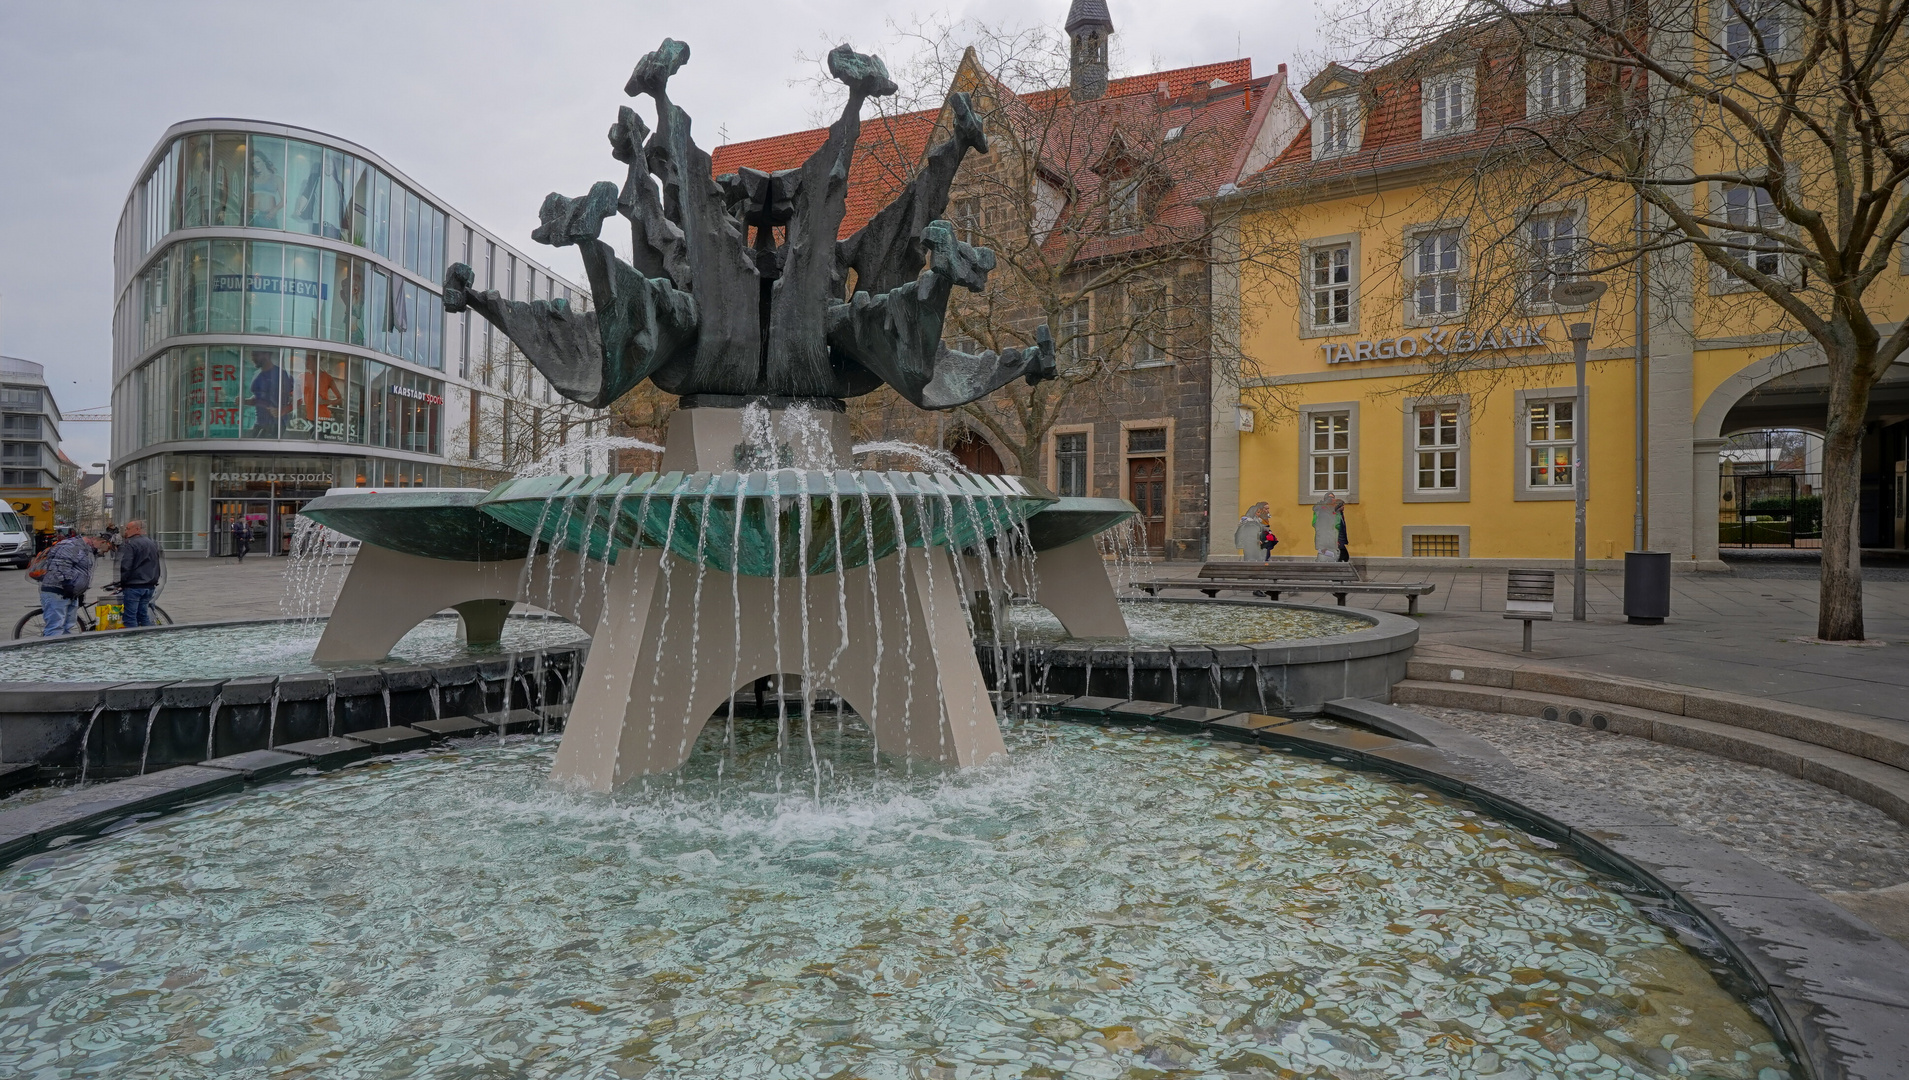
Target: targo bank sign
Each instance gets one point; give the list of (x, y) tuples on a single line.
[(1438, 341)]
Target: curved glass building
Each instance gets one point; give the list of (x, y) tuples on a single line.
[(279, 331)]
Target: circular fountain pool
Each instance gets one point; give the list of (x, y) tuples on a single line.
[(1183, 622), (234, 650), (1106, 904)]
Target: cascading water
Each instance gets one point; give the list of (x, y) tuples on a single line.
[(86, 738), (145, 747), (580, 455)]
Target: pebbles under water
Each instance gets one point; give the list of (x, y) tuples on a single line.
[(1164, 622), (1106, 904)]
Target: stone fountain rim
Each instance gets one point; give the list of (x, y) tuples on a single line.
[(23, 695), (1385, 633)]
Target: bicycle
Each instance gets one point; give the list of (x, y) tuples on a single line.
[(33, 623)]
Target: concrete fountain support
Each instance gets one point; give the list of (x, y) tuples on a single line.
[(673, 639)]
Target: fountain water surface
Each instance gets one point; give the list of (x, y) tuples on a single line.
[(1251, 915)]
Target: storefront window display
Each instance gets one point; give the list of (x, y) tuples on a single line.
[(192, 500), (262, 392)]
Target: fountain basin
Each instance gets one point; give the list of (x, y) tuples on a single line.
[(175, 695), (433, 523), (1070, 518), (770, 524), (1261, 913), (1360, 654)]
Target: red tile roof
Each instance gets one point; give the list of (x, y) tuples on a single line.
[(890, 146), (885, 156), (1393, 137)]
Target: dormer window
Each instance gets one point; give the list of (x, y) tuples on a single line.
[(1124, 209), (1446, 104), (1554, 83), (1336, 127)]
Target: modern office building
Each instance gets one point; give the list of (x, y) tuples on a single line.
[(29, 441), (279, 331)]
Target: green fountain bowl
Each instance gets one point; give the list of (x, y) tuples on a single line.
[(768, 524), (1069, 519), (435, 523)]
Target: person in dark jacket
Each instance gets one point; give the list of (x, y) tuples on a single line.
[(241, 537), (140, 563), (69, 573)]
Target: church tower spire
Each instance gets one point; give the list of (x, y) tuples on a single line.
[(1089, 25)]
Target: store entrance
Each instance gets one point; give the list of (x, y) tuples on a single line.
[(266, 523)]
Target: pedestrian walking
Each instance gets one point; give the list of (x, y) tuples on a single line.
[(1267, 542), (1251, 531), (65, 573), (241, 537), (1328, 528), (140, 566)]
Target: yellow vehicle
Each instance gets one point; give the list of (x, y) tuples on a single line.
[(35, 507)]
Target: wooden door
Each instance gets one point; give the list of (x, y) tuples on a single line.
[(1147, 490), (976, 456)]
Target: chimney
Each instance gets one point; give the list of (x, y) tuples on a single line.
[(1089, 25)]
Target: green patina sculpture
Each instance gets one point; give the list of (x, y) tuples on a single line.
[(714, 308)]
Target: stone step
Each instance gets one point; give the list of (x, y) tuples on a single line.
[(1879, 740), (1882, 786)]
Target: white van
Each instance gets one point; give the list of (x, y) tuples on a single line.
[(16, 540)]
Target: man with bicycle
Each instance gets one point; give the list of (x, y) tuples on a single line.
[(139, 570), (66, 574)]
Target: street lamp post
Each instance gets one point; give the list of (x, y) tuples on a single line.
[(1582, 292)]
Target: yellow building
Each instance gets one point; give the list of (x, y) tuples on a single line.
[(1402, 347)]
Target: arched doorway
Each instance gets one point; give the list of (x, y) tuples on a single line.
[(974, 454), (1790, 392)]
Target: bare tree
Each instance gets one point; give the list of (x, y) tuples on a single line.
[(517, 417), (1766, 139)]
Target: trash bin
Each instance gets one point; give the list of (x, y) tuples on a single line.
[(1647, 586)]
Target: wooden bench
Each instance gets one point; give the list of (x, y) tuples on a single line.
[(1270, 579), (1530, 595)]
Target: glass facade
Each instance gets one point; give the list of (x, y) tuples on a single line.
[(253, 181), (260, 392), (289, 290), (279, 332)]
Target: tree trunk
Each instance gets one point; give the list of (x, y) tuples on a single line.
[(1839, 615)]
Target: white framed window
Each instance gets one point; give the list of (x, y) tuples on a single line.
[(1550, 431), (1329, 451), (967, 219), (1437, 259), (1074, 347), (1124, 212), (1751, 208), (1329, 282), (1752, 30), (1445, 104), (1071, 463), (1437, 443), (1145, 305), (1337, 126), (1554, 83), (1436, 448), (1555, 244)]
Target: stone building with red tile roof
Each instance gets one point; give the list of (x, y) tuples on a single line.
[(1093, 198)]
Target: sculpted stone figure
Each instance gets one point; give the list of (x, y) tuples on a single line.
[(714, 307)]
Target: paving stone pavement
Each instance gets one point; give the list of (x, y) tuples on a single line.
[(1739, 632), (1848, 851)]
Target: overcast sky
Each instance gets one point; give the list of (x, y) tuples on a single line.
[(487, 104)]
